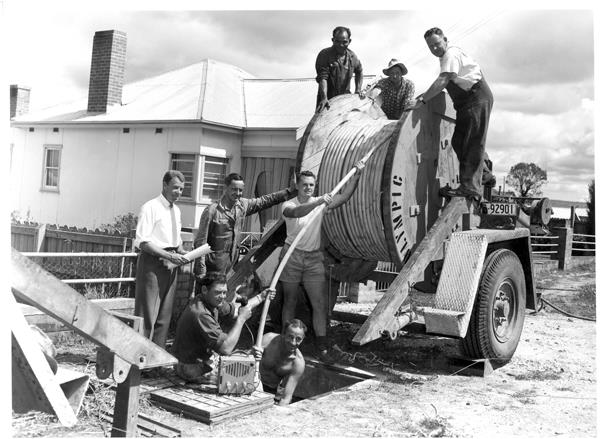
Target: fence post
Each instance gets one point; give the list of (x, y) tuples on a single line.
[(565, 246), (39, 238)]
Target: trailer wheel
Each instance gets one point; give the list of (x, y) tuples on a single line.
[(499, 310)]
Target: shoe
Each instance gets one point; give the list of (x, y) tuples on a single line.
[(324, 355), (489, 180), (460, 191)]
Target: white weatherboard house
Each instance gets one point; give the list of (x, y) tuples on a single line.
[(85, 162)]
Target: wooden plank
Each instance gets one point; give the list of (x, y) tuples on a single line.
[(34, 384), (34, 285), (383, 315), (210, 408), (82, 238)]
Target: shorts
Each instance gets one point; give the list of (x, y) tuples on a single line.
[(302, 266)]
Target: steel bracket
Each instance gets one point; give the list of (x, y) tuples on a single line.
[(108, 363)]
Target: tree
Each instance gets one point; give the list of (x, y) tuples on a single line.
[(527, 179), (591, 205), (122, 224)]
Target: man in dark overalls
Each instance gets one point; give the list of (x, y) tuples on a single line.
[(335, 66), (462, 77)]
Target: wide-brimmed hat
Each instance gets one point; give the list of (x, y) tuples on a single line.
[(394, 62)]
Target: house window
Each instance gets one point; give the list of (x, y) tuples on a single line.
[(204, 175), (51, 173), (186, 164), (215, 169)]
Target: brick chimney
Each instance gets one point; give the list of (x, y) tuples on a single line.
[(108, 70), (19, 100)]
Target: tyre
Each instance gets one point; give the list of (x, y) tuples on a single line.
[(499, 309)]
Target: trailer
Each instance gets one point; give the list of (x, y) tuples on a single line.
[(473, 260)]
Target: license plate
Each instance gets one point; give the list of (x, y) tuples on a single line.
[(501, 209)]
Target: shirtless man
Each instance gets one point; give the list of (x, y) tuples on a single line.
[(282, 363)]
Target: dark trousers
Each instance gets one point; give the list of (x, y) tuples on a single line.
[(473, 110), (155, 287)]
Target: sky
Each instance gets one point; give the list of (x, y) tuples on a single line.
[(538, 62)]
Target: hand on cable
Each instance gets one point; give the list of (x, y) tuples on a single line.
[(244, 313), (257, 352), (327, 199), (268, 292), (359, 165)]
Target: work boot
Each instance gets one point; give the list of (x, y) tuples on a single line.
[(323, 353), (460, 191), (489, 179)]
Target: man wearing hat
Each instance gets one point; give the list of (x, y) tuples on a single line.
[(394, 93)]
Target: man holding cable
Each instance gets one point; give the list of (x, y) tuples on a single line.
[(305, 264)]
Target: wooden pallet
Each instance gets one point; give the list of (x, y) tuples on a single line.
[(210, 408)]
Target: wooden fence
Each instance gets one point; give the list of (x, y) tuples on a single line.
[(34, 237)]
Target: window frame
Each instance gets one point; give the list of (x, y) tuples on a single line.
[(199, 173), (194, 189), (45, 168)]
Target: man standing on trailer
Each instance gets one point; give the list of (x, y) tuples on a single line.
[(158, 237), (221, 225), (335, 66), (463, 78)]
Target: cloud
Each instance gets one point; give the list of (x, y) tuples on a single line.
[(542, 98), (539, 47)]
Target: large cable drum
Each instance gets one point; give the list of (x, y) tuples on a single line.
[(397, 199)]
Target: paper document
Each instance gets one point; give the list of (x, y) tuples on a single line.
[(190, 256)]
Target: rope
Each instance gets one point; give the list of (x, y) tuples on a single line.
[(562, 311), (356, 229)]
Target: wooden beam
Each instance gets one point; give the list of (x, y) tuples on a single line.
[(382, 317), (35, 387), (33, 285), (127, 403)]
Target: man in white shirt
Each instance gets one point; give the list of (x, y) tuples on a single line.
[(462, 77), (305, 264), (158, 237)]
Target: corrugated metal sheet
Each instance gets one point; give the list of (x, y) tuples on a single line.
[(278, 103), (208, 91), (565, 212)]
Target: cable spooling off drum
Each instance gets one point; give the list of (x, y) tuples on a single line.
[(397, 197)]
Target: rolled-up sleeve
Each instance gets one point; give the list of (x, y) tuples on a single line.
[(145, 226), (253, 205), (322, 66), (210, 331)]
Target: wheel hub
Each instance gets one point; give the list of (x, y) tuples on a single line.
[(503, 311)]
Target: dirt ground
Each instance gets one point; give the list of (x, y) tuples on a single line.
[(547, 390)]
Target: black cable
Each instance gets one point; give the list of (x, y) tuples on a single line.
[(565, 312)]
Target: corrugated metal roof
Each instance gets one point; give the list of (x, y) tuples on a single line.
[(278, 103), (208, 91), (565, 212)]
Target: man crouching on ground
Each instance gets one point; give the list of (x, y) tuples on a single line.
[(199, 339), (282, 363)]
